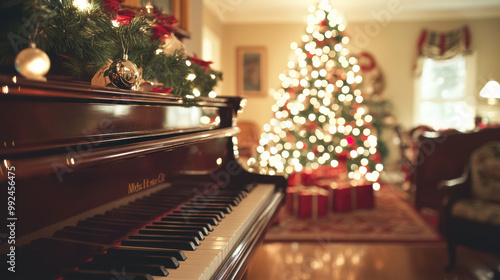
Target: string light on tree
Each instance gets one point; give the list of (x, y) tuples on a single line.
[(82, 5), (319, 116)]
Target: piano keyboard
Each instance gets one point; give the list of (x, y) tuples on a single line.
[(172, 248), (202, 263)]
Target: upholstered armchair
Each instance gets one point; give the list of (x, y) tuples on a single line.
[(471, 216)]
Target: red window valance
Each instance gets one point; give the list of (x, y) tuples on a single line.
[(444, 45)]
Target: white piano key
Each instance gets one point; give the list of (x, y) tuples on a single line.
[(204, 262)]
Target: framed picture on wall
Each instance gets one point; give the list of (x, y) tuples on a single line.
[(251, 71), (177, 8)]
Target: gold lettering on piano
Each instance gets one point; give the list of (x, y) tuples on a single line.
[(146, 183)]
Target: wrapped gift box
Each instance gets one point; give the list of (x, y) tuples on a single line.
[(342, 197), (364, 197), (307, 202), (345, 196)]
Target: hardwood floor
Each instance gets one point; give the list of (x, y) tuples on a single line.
[(373, 261)]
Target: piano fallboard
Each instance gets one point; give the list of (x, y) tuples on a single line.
[(74, 153)]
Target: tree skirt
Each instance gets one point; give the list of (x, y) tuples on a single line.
[(392, 220)]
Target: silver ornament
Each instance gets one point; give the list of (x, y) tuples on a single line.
[(124, 74), (32, 63), (172, 44)]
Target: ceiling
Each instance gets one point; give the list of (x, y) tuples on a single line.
[(261, 11)]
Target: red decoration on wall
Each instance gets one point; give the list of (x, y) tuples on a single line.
[(366, 62)]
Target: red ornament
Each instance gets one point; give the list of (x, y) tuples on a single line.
[(376, 158), (124, 17), (159, 32), (342, 156), (315, 150), (166, 21), (313, 125), (350, 140), (110, 6), (162, 90)]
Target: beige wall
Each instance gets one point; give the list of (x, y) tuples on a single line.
[(393, 45)]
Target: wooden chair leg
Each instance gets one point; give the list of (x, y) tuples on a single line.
[(496, 273), (452, 255)]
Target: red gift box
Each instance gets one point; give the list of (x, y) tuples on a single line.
[(329, 172), (364, 197), (307, 202), (345, 196), (309, 176), (295, 179), (342, 198)]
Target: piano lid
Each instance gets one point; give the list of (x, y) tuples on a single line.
[(38, 116)]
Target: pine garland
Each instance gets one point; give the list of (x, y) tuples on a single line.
[(86, 41), (205, 80)]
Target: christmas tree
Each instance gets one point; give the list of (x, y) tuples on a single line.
[(319, 115)]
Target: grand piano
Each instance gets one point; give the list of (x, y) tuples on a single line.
[(101, 183)]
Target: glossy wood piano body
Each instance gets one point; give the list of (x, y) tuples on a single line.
[(72, 153)]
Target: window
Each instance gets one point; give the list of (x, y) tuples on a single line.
[(444, 96)]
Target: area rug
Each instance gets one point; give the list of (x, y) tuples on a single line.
[(391, 220)]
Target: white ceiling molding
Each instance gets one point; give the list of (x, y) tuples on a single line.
[(294, 11)]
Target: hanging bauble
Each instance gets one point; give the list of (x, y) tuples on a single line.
[(124, 73), (172, 44), (32, 63)]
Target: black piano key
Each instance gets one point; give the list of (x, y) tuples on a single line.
[(202, 204), (168, 262), (239, 193), (84, 236), (226, 210), (155, 270), (178, 254), (158, 230), (151, 208), (227, 196), (173, 238), (124, 221), (134, 214), (159, 200), (109, 232), (219, 214), (188, 216), (106, 225), (204, 228), (129, 215), (154, 204), (104, 275), (45, 258), (136, 209), (190, 219), (230, 201), (181, 245)]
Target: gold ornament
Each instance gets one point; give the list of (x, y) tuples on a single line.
[(124, 73), (32, 63)]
